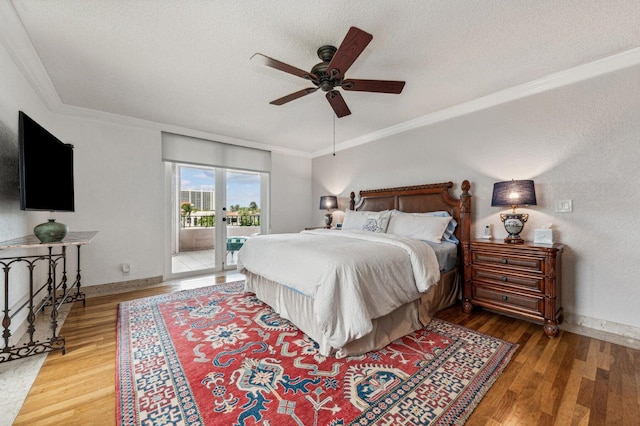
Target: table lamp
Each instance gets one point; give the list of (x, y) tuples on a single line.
[(514, 193), (328, 202)]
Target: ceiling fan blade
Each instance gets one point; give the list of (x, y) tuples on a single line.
[(293, 96), (380, 86), (337, 103), (274, 63), (352, 46)]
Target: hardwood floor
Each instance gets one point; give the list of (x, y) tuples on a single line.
[(570, 380)]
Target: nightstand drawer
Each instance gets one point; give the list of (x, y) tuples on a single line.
[(505, 277), (532, 264), (506, 300)]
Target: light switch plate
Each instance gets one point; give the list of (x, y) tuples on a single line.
[(564, 206)]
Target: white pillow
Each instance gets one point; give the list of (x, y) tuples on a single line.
[(366, 221), (448, 233), (419, 227), (451, 227)]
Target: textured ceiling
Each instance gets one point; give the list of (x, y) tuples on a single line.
[(186, 64)]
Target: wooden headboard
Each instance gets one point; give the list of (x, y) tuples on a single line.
[(420, 199)]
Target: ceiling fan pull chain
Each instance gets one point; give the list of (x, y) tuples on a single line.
[(334, 134)]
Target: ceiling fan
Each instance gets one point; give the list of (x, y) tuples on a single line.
[(329, 74)]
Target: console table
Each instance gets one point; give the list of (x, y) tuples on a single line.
[(53, 293)]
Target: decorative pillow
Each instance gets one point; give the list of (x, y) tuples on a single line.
[(366, 221), (419, 227)]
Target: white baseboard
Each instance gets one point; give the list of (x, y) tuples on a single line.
[(121, 286), (609, 331)]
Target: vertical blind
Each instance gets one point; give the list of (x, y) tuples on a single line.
[(186, 149)]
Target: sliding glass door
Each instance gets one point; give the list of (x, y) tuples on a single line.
[(244, 215), (214, 211)]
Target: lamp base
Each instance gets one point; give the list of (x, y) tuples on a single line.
[(514, 239), (514, 224), (328, 218)]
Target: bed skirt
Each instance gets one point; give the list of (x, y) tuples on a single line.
[(412, 316)]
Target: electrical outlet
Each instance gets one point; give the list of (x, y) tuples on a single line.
[(126, 268), (564, 206)]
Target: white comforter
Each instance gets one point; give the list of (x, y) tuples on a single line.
[(353, 277)]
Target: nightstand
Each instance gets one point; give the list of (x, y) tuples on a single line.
[(522, 280)]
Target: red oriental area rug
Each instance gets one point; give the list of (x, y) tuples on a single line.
[(218, 356)]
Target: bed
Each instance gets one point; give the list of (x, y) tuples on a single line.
[(354, 291)]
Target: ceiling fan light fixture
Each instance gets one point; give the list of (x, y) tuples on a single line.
[(326, 86)]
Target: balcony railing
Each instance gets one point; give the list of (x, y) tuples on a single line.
[(209, 220)]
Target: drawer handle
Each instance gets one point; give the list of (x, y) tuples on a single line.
[(505, 279), (504, 298), (505, 261)]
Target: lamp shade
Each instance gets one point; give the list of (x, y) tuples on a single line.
[(514, 193), (328, 202)]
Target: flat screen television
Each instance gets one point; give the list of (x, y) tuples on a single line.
[(45, 167)]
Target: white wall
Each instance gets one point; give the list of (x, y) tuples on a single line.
[(290, 193), (575, 143), (15, 95), (119, 180)]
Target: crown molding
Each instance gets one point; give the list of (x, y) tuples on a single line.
[(123, 120), (552, 81), (18, 44)]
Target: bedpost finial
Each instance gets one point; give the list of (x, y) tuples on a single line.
[(465, 186), (352, 201)]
